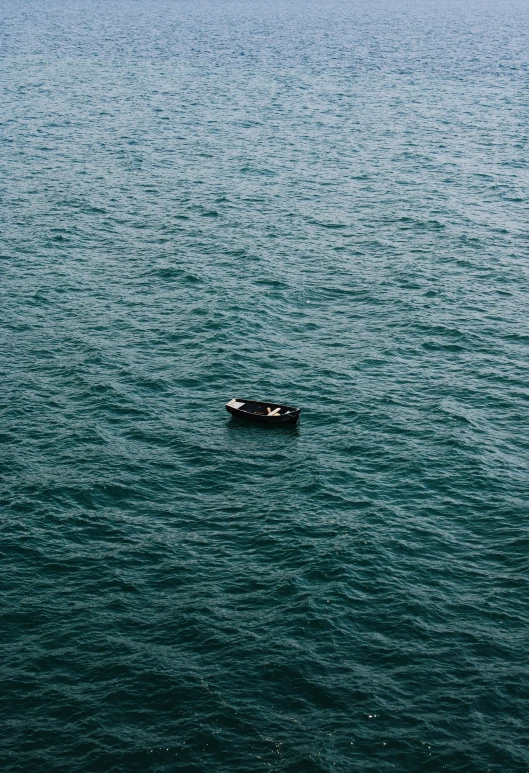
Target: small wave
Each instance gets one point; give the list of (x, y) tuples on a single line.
[(329, 225)]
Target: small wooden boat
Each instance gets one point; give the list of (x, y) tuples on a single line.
[(267, 413)]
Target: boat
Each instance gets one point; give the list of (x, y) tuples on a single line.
[(266, 413)]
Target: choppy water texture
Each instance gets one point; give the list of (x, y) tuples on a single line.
[(318, 203)]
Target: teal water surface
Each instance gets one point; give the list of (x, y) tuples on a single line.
[(317, 203)]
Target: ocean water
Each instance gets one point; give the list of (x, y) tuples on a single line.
[(320, 203)]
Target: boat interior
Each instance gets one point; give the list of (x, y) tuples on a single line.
[(260, 409)]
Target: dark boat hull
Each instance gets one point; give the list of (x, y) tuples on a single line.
[(253, 413)]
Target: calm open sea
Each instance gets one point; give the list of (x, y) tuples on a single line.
[(320, 203)]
